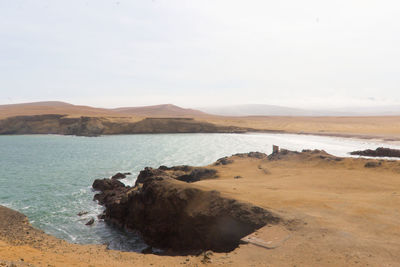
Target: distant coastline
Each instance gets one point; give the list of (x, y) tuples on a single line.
[(66, 119), (95, 126)]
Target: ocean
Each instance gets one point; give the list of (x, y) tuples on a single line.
[(49, 177)]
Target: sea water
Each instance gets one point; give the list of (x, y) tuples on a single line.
[(49, 177)]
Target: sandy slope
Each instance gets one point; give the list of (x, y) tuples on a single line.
[(52, 107), (345, 214), (384, 127), (338, 213), (128, 113), (166, 110)]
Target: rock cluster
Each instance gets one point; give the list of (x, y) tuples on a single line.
[(182, 173), (223, 161), (178, 216), (257, 155), (379, 152)]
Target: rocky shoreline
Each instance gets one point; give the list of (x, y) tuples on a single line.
[(379, 152), (317, 210), (171, 213)]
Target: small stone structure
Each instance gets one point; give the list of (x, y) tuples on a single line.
[(275, 149)]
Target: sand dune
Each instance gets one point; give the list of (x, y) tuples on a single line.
[(382, 127)]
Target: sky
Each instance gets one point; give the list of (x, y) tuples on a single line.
[(201, 53)]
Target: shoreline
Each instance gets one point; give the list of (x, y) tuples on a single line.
[(320, 197), (394, 140), (384, 129)]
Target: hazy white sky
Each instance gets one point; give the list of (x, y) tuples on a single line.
[(199, 53)]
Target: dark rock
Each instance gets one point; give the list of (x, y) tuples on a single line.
[(379, 152), (90, 222), (82, 213), (197, 175), (184, 168), (148, 173), (182, 173), (237, 177), (118, 176), (108, 188), (284, 153), (147, 250), (106, 184), (99, 197), (163, 168), (223, 161), (165, 214), (257, 155), (313, 151)]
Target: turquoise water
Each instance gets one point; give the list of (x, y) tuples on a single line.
[(49, 177)]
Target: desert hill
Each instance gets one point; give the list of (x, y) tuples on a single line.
[(52, 107), (159, 110), (63, 108), (121, 120)]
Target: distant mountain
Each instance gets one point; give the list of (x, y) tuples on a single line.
[(389, 110), (62, 108), (52, 107), (169, 110), (159, 110), (271, 110), (257, 110), (42, 103)]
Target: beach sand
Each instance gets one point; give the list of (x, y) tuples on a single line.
[(382, 127)]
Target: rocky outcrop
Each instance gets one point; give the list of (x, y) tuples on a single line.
[(94, 126), (108, 188), (106, 184), (178, 216), (31, 124), (223, 161), (379, 152), (182, 173), (257, 155), (118, 176), (177, 125), (52, 124)]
